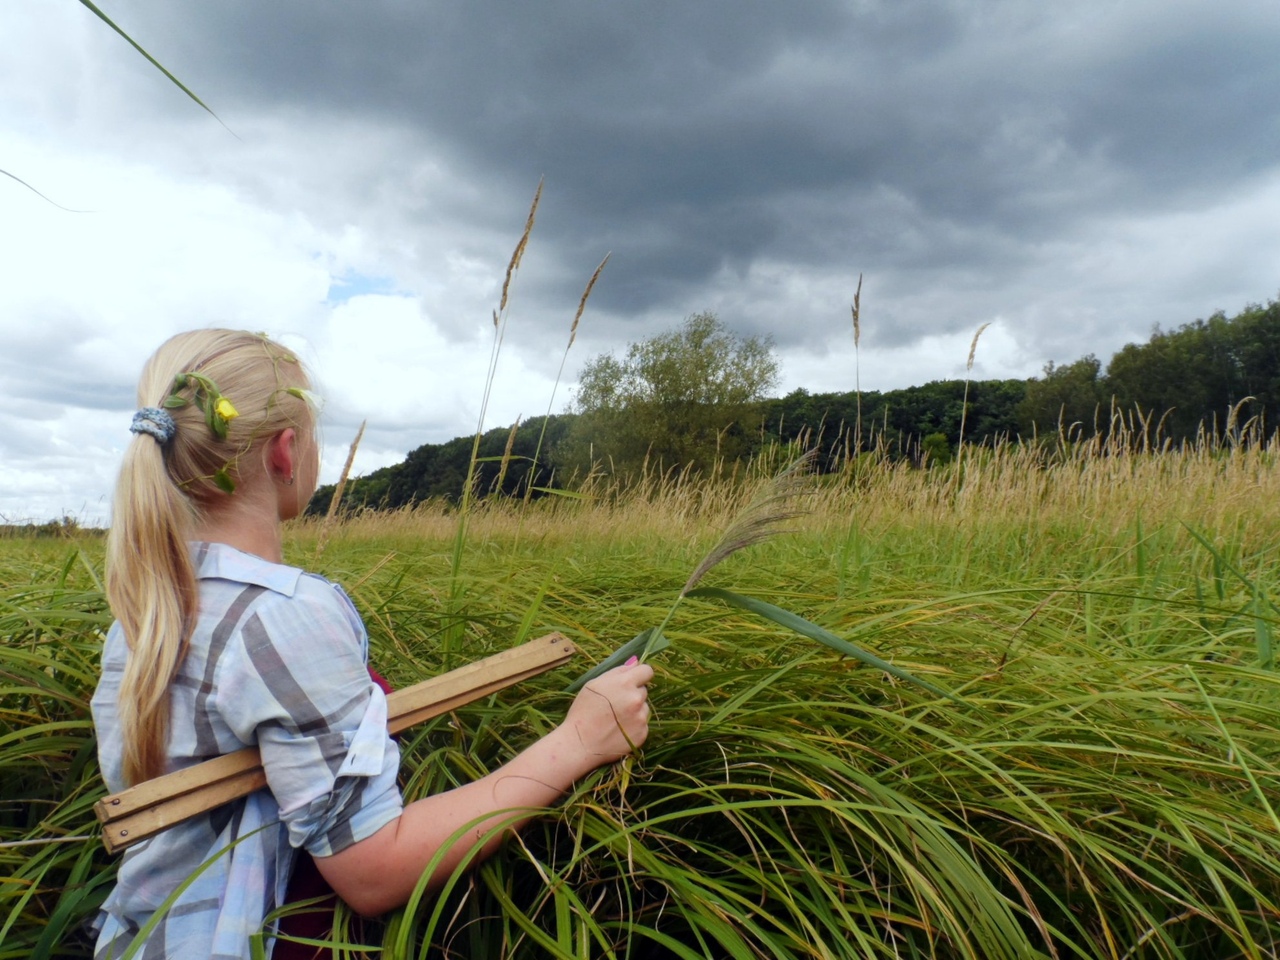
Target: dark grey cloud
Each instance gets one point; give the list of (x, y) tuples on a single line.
[(932, 143)]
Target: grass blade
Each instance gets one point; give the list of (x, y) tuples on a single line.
[(152, 60), (806, 628), (632, 648)]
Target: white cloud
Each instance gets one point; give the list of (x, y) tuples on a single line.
[(94, 293), (933, 357)]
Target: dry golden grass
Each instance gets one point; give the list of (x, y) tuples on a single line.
[(1013, 484)]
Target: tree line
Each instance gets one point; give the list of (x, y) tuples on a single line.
[(697, 398), (1185, 382)]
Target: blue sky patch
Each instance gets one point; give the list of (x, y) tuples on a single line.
[(342, 289)]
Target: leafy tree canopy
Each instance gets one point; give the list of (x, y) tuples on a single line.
[(687, 397), (1187, 379), (702, 362), (1073, 393)]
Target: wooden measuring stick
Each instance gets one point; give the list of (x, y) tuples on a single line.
[(142, 811)]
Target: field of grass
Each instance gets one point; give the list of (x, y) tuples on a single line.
[(1103, 784)]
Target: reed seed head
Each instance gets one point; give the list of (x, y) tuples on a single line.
[(582, 304), (973, 347), (762, 518), (514, 264)]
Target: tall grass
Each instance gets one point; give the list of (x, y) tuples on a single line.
[(53, 872), (1105, 789)]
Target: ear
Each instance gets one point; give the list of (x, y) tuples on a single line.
[(282, 451)]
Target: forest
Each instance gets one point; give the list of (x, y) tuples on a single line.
[(696, 399)]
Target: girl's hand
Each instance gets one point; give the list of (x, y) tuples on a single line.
[(610, 715), (607, 720)]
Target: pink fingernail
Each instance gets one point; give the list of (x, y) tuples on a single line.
[(632, 662)]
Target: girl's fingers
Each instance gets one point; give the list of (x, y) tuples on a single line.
[(639, 673)]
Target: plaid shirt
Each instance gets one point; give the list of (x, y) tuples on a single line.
[(277, 659)]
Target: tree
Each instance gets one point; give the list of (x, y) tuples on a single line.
[(1182, 380), (687, 397), (1194, 375), (935, 449), (439, 470), (1066, 395)]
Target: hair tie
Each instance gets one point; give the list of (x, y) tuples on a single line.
[(155, 422)]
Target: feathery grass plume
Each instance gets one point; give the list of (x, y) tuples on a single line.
[(518, 254), (758, 522), (1234, 433), (973, 345), (500, 327), (582, 303), (332, 512), (857, 313), (346, 471), (506, 457), (761, 519), (468, 486), (964, 406), (573, 333)]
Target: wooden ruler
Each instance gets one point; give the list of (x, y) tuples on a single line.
[(148, 808)]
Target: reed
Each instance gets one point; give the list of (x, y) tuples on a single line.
[(336, 501), (1103, 788), (856, 310), (964, 407)]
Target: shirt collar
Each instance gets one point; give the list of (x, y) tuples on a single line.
[(218, 561)]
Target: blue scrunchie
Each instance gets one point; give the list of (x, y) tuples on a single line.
[(155, 422)]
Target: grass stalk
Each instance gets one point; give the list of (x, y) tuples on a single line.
[(451, 636), (964, 406), (336, 500), (856, 309)]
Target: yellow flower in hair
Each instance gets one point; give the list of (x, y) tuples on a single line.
[(225, 409)]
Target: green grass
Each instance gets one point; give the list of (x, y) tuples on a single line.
[(1107, 786)]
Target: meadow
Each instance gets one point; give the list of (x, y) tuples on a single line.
[(1101, 782)]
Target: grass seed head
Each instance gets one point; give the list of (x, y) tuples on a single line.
[(763, 518), (973, 347)]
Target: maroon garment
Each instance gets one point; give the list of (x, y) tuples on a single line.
[(307, 883)]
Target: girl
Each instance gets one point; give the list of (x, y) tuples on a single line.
[(218, 645)]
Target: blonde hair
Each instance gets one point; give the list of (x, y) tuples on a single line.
[(163, 489)]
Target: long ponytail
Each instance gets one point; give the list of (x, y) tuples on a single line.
[(164, 487)]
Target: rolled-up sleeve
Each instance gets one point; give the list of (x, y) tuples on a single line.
[(299, 687)]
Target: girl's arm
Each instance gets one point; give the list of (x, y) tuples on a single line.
[(607, 719)]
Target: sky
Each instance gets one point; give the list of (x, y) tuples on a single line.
[(1072, 173)]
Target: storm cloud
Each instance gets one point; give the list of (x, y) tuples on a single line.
[(1076, 173)]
